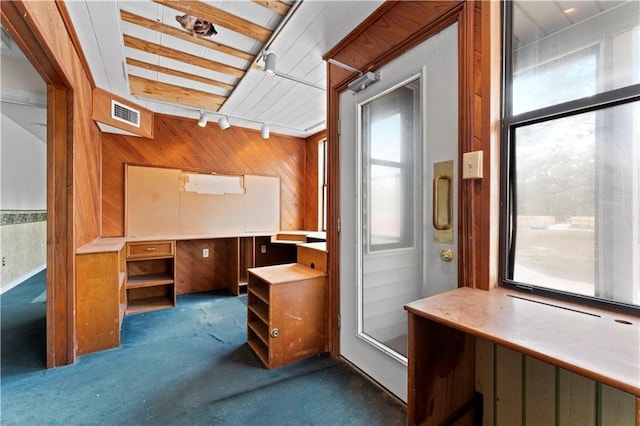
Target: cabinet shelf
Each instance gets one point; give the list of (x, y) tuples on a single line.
[(260, 291), (149, 304), (260, 310), (149, 280), (259, 348), (261, 330)]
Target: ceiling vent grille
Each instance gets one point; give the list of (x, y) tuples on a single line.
[(125, 114)]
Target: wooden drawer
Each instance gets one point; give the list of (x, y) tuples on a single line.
[(150, 249)]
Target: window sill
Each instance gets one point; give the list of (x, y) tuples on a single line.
[(594, 343)]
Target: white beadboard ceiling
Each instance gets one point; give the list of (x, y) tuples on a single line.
[(289, 107), (293, 104)]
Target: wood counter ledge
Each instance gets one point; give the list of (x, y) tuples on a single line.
[(594, 343)]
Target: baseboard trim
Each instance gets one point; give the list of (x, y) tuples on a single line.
[(24, 277)]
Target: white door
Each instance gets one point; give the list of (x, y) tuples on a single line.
[(392, 133)]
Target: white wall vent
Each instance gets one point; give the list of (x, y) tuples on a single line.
[(125, 113)]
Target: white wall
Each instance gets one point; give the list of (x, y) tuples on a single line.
[(23, 186), (23, 169)]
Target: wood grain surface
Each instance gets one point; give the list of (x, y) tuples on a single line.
[(181, 143)]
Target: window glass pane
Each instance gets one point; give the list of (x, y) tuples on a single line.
[(386, 196), (578, 204), (386, 137), (565, 54)]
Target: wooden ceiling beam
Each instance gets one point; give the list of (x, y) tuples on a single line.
[(174, 94), (176, 73), (184, 35), (277, 6), (219, 17), (147, 46)]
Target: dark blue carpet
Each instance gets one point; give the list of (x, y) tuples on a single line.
[(186, 366)]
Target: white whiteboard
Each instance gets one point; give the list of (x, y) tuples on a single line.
[(262, 213), (163, 201)]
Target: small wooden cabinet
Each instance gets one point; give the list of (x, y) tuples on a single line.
[(150, 276), (100, 295), (286, 305)]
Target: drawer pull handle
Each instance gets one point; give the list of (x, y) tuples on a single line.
[(150, 249), (275, 332)]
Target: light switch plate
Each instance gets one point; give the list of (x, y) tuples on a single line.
[(472, 165)]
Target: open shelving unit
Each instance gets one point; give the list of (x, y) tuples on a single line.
[(150, 276)]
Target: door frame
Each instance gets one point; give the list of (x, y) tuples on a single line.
[(60, 319)]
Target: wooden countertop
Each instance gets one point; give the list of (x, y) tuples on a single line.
[(280, 274), (103, 245), (108, 244), (594, 343)]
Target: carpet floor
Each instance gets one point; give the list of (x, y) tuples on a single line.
[(189, 365)]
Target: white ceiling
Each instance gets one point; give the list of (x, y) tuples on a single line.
[(294, 106), (24, 94)]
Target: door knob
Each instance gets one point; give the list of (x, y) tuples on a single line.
[(275, 332), (446, 254)]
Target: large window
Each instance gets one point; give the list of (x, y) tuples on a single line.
[(572, 149)]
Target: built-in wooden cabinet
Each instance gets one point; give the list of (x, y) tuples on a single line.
[(286, 305), (150, 276), (100, 295)]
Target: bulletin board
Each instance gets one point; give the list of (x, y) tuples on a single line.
[(162, 201)]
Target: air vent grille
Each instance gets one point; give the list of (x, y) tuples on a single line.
[(125, 114)]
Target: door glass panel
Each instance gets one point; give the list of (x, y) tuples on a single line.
[(391, 217)]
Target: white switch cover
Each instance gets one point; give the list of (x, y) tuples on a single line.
[(472, 165), (205, 252)]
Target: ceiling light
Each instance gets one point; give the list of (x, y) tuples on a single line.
[(270, 64), (224, 123), (364, 81), (202, 122), (569, 10), (264, 131)]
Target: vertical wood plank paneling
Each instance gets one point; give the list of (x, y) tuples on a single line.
[(508, 387), (551, 395), (484, 377), (576, 399), (181, 143), (312, 179), (617, 408), (540, 395)]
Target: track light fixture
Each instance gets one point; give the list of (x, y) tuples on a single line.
[(202, 122), (364, 81), (223, 123), (264, 131), (270, 64)]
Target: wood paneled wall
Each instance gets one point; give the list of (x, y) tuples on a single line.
[(311, 182), (479, 198), (181, 143), (518, 390), (73, 159)]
